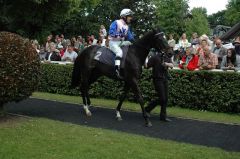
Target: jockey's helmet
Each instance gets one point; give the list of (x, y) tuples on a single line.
[(126, 12)]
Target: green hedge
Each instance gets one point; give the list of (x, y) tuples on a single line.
[(213, 91)]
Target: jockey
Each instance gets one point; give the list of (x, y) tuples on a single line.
[(120, 35)]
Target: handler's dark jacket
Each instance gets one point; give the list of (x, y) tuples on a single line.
[(159, 70)]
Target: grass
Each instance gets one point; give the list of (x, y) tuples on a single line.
[(172, 111), (47, 139)]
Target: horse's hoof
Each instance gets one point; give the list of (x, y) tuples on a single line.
[(119, 118), (149, 124)]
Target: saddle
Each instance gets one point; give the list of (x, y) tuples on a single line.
[(106, 56)]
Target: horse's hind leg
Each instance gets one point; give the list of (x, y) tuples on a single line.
[(84, 91), (121, 99), (93, 77)]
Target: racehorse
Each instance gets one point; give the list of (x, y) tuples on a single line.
[(87, 70)]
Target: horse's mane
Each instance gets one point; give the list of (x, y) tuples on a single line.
[(144, 44), (146, 38)]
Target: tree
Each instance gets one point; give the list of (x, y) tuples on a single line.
[(171, 15), (88, 20), (233, 12), (198, 23), (35, 18), (217, 18), (146, 16)]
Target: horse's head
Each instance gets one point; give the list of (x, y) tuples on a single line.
[(160, 42)]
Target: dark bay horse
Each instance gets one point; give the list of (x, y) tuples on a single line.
[(87, 70)]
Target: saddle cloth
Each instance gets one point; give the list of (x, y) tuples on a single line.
[(106, 56)]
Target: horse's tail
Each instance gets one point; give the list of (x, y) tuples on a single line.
[(76, 73), (82, 62)]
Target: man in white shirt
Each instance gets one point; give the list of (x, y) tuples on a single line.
[(70, 54)]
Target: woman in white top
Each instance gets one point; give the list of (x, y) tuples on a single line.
[(102, 32), (183, 41)]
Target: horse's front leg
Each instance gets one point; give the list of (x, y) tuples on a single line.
[(137, 92), (121, 99)]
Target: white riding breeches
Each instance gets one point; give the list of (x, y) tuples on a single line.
[(115, 46)]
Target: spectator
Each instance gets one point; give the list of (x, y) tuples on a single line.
[(90, 42), (107, 43), (209, 42), (62, 38), (70, 54), (53, 55), (81, 43), (236, 44), (56, 38), (220, 51), (207, 60), (85, 45), (99, 42), (75, 44), (171, 41), (203, 44), (189, 61), (94, 41), (231, 61), (36, 45), (42, 54), (47, 44), (183, 41), (194, 40), (59, 43), (102, 32)]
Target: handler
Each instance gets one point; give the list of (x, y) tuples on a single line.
[(160, 64)]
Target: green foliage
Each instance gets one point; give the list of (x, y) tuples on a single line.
[(233, 12), (19, 68), (198, 23), (214, 91), (217, 18), (171, 15), (35, 18), (88, 20)]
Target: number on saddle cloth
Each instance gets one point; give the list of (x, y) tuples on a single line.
[(106, 56)]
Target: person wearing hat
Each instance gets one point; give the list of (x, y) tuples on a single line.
[(189, 60), (120, 34), (236, 44)]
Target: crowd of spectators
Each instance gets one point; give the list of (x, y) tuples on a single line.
[(202, 53), (195, 53), (60, 49)]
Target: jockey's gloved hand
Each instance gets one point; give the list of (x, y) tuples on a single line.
[(117, 35)]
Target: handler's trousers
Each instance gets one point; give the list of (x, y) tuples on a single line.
[(161, 87)]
